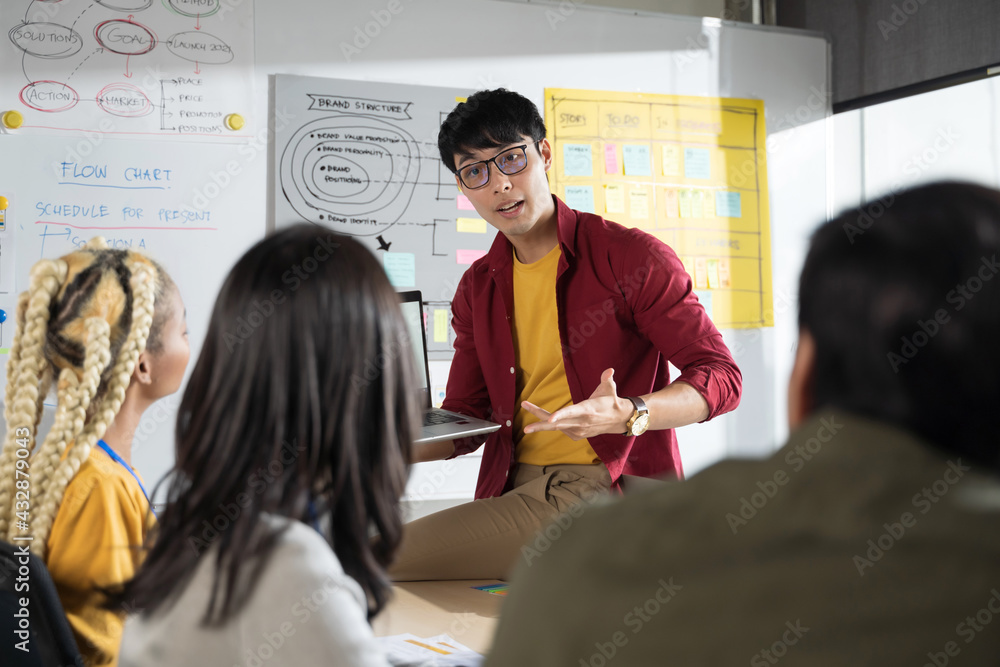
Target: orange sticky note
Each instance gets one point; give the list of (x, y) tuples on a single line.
[(672, 203)]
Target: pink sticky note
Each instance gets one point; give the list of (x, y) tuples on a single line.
[(611, 159), (468, 256), (464, 204)]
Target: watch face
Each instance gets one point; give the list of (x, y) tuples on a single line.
[(640, 425)]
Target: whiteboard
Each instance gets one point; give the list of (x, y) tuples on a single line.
[(470, 45), (178, 203), (175, 68), (361, 158)]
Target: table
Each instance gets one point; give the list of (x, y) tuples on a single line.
[(428, 608)]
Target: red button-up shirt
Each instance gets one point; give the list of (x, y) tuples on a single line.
[(625, 302)]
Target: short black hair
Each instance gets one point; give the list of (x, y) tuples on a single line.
[(902, 298), (488, 119)]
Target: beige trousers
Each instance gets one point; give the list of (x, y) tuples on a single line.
[(483, 539)]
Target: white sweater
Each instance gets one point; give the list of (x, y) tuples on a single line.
[(304, 610)]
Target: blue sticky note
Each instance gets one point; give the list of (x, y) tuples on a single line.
[(580, 197), (401, 267), (705, 297), (577, 160), (697, 163), (727, 205), (636, 158)]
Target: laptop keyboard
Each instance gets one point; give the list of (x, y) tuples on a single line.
[(432, 417)]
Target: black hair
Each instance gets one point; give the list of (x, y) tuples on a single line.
[(489, 119), (902, 298), (305, 373)]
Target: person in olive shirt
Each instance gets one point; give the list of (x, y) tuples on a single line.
[(871, 537)]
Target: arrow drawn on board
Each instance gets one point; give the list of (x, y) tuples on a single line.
[(197, 67), (128, 75), (197, 24), (81, 15), (382, 245), (23, 69), (97, 50)]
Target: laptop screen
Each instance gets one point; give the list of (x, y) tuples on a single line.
[(413, 313)]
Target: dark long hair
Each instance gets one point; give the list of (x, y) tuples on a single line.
[(301, 403), (902, 298)]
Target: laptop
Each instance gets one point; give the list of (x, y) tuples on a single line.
[(438, 424)]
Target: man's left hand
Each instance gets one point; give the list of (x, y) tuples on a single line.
[(603, 412)]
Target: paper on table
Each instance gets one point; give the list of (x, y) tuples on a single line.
[(408, 650)]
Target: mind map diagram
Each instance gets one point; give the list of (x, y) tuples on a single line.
[(128, 66)]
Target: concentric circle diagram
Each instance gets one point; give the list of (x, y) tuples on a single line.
[(353, 174)]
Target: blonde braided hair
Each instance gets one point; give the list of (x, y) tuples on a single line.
[(91, 387), (25, 378)]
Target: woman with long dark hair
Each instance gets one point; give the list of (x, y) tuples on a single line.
[(292, 439)]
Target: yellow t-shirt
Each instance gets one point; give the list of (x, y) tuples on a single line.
[(102, 518), (541, 376)]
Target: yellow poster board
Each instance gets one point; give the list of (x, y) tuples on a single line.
[(691, 171)]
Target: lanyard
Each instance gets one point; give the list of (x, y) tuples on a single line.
[(110, 452)]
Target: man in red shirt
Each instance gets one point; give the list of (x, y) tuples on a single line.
[(563, 334)]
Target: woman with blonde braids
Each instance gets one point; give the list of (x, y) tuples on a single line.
[(108, 328)]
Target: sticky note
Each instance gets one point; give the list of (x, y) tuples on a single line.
[(577, 160), (701, 273), (685, 203), (614, 199), (636, 160), (671, 160), (705, 297), (713, 274), (727, 205), (697, 163), (580, 197), (611, 165), (464, 204), (468, 256), (440, 325), (672, 203), (724, 277), (472, 225), (638, 204), (688, 263), (697, 205), (709, 201), (401, 267)]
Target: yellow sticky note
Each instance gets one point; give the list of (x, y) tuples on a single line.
[(638, 204), (700, 273), (614, 199), (724, 280), (713, 274), (461, 100), (472, 225), (685, 203), (688, 263), (697, 210), (440, 325), (671, 160)]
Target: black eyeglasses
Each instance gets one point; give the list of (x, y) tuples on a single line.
[(510, 162)]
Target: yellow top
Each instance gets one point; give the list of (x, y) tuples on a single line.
[(541, 377), (102, 515)]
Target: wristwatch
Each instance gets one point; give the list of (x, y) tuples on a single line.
[(639, 421)]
